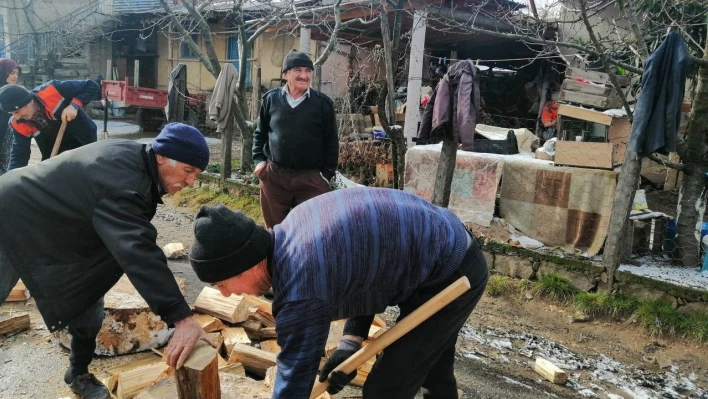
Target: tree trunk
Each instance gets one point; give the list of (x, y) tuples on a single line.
[(692, 200)]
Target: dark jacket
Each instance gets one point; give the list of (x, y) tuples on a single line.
[(72, 225), (658, 112), (54, 96), (301, 138), (456, 101), (5, 141)]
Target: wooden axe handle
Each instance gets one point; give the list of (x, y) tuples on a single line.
[(57, 142), (429, 308)]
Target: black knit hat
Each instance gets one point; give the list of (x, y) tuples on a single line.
[(296, 59), (226, 243), (14, 97), (183, 143)]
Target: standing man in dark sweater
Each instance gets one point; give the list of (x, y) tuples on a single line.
[(349, 254), (295, 146)]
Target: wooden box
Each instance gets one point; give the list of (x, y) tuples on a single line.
[(618, 131), (586, 154)]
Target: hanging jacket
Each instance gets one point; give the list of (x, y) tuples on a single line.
[(456, 100), (658, 112), (54, 96), (224, 91)]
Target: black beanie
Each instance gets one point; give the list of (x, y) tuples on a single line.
[(226, 243), (183, 143), (296, 59), (14, 97)]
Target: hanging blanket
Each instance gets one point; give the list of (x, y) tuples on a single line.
[(559, 206), (474, 182)]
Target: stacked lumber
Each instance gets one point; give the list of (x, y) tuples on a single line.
[(18, 293), (591, 88)]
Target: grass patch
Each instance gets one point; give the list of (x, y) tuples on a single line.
[(659, 317), (193, 198), (215, 167), (696, 326), (597, 304), (498, 285), (555, 288)]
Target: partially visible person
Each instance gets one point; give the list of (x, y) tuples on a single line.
[(350, 254), (39, 113), (296, 145), (9, 75), (72, 225)]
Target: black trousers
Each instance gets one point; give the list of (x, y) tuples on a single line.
[(425, 356)]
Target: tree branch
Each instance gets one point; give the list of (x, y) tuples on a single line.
[(206, 36), (188, 39), (670, 165)]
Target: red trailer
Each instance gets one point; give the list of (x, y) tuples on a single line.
[(150, 102)]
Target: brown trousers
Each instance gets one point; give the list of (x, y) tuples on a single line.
[(283, 189)]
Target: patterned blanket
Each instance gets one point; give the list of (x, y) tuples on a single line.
[(474, 182), (559, 206)]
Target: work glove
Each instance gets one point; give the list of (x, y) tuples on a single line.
[(337, 380)]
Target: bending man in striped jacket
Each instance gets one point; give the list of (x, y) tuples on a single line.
[(349, 254)]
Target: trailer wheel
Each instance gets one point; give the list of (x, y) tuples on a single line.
[(150, 120)]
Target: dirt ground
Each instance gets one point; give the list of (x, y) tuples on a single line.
[(495, 350)]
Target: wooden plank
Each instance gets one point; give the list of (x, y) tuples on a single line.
[(199, 377), (254, 360), (584, 114), (270, 345), (233, 336), (572, 85), (584, 154), (235, 368), (673, 176), (131, 382), (550, 371), (595, 76), (14, 323), (589, 99), (232, 309), (18, 293), (362, 372), (209, 323)]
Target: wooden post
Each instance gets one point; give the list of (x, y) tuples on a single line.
[(415, 76), (446, 163), (109, 69), (226, 141), (136, 73), (199, 377), (305, 34)]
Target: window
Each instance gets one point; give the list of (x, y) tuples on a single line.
[(232, 55), (185, 52)]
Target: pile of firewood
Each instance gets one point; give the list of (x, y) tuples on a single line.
[(244, 330)]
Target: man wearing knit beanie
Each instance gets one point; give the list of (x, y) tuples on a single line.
[(349, 254), (86, 220), (295, 145)]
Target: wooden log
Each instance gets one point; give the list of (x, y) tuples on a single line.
[(129, 326), (131, 382), (14, 323), (232, 309), (209, 323), (199, 377), (261, 303), (270, 345), (550, 371), (257, 313), (362, 372), (146, 359), (253, 359), (235, 368), (233, 336), (18, 293)]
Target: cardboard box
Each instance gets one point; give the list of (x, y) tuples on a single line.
[(586, 154)]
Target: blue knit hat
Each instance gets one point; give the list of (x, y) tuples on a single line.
[(183, 143)]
